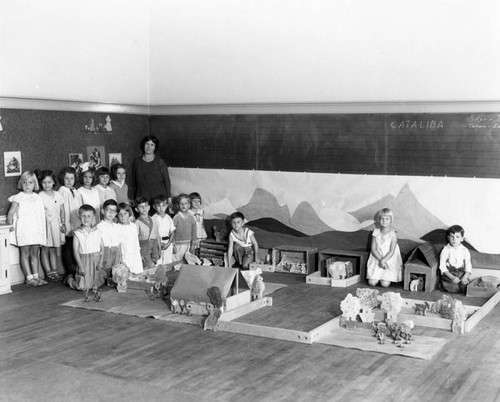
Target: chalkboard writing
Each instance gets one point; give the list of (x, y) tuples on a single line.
[(452, 144)]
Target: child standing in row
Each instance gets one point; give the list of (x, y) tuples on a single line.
[(242, 244), (198, 214), (149, 237), (110, 239), (166, 229), (105, 192), (384, 263), (72, 202), (53, 203), (118, 175), (90, 194), (455, 262), (87, 247), (27, 214), (129, 239), (185, 229)]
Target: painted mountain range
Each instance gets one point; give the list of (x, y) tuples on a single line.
[(412, 219)]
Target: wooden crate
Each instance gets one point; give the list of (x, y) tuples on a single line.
[(214, 251), (357, 258), (299, 260)]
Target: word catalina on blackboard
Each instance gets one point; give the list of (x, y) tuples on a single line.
[(421, 124)]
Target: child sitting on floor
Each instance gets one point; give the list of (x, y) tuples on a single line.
[(384, 263), (149, 237), (455, 262), (242, 244)]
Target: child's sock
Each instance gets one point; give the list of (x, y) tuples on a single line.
[(29, 277), (35, 276)]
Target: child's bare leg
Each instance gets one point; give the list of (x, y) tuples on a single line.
[(35, 258), (25, 261), (373, 282), (53, 258), (385, 284), (46, 263), (60, 265)]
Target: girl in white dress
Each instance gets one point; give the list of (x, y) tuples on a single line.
[(384, 263), (90, 195), (27, 214), (54, 216), (72, 202), (129, 239)]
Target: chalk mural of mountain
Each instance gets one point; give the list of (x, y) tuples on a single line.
[(263, 204), (220, 209), (411, 219), (305, 218)]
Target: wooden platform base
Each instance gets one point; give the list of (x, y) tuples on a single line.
[(316, 279)]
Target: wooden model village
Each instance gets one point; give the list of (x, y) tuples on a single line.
[(220, 298)]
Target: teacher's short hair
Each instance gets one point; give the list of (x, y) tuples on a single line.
[(150, 138)]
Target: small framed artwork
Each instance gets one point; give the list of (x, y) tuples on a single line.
[(114, 159), (12, 163), (75, 160), (95, 156)]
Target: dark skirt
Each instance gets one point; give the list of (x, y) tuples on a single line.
[(449, 286)]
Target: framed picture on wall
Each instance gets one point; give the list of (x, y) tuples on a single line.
[(12, 163), (75, 160), (114, 159), (95, 156)]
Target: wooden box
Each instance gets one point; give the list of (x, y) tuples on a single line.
[(295, 259), (485, 286), (263, 267), (357, 258), (214, 251)]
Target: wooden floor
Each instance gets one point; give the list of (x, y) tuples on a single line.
[(49, 352)]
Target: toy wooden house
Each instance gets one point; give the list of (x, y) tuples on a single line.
[(194, 280), (424, 260)]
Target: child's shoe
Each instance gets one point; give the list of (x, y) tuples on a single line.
[(40, 282)]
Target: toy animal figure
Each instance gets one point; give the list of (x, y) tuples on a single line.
[(188, 309), (174, 306), (215, 310), (86, 299), (421, 308), (380, 330), (97, 294), (443, 307), (182, 305), (349, 269), (258, 287), (417, 285), (405, 331)]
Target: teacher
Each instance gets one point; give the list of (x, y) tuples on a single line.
[(149, 172)]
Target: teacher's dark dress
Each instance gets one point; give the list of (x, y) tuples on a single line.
[(150, 179)]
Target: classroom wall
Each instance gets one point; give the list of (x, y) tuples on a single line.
[(45, 138), (238, 51)]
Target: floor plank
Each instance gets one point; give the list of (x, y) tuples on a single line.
[(52, 352)]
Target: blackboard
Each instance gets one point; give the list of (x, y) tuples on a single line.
[(451, 144)]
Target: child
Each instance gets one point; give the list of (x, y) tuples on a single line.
[(87, 246), (129, 239), (119, 174), (110, 239), (27, 214), (72, 202), (197, 212), (384, 263), (149, 237), (185, 229), (89, 194), (53, 203), (105, 192), (455, 262), (166, 229), (242, 244)]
